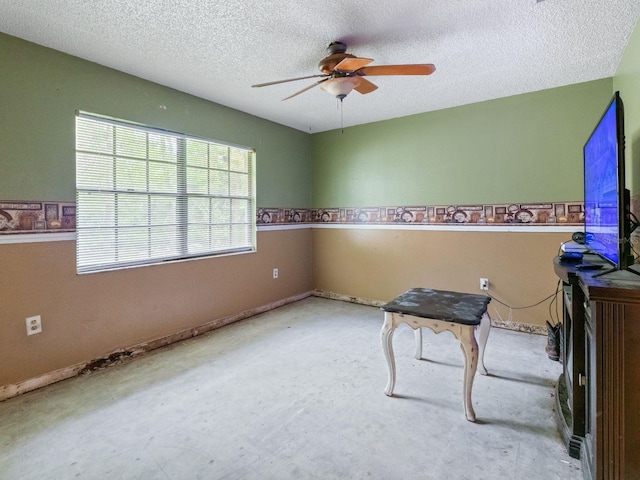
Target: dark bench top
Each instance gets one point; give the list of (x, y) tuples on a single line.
[(464, 308)]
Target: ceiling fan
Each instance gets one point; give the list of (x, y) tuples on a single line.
[(343, 72)]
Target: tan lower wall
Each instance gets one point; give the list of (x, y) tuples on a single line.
[(379, 264), (85, 317)]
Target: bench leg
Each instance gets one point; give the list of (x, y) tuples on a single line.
[(483, 335), (470, 349), (418, 335), (386, 336)]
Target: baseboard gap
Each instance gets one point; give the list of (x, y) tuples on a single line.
[(347, 298)]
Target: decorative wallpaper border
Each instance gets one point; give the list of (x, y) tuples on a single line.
[(36, 216), (564, 213), (50, 216)]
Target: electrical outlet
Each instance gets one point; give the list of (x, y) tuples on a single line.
[(275, 273), (484, 284), (34, 325)]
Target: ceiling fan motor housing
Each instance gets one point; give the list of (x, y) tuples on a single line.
[(336, 47)]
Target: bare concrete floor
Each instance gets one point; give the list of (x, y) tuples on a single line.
[(295, 393)]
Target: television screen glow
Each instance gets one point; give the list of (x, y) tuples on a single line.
[(602, 188)]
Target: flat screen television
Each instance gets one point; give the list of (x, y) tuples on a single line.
[(607, 219)]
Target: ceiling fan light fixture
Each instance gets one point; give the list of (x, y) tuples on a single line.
[(340, 87), (342, 72)]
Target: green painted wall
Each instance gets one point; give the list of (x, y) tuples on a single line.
[(525, 148), (42, 89), (627, 81)]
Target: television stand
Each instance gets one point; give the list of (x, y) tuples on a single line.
[(599, 388)]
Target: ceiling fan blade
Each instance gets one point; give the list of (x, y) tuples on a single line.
[(351, 64), (418, 69), (307, 88), (365, 86), (287, 80)]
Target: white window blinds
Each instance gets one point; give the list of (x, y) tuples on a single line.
[(145, 196)]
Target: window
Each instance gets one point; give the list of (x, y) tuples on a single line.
[(146, 196)]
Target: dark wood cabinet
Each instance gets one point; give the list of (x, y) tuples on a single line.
[(602, 377), (570, 391)]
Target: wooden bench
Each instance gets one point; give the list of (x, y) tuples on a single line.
[(441, 311)]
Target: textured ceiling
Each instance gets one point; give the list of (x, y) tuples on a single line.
[(482, 49)]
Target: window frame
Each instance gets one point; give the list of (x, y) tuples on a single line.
[(226, 220)]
